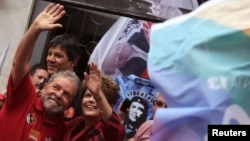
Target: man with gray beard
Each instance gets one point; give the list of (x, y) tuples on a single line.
[(24, 115)]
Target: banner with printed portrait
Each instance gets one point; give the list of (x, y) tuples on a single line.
[(123, 49), (125, 60), (123, 53)]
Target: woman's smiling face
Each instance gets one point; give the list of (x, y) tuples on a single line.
[(89, 105)]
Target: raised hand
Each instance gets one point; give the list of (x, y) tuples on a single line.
[(48, 17), (46, 20), (93, 79), (94, 84)]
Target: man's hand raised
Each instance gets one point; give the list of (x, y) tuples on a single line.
[(47, 19)]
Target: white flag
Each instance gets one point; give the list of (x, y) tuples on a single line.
[(3, 56)]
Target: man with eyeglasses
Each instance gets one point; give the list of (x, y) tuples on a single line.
[(145, 131)]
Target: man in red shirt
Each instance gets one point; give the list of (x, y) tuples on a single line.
[(25, 116), (38, 74), (99, 122)]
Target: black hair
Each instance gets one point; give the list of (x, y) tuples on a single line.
[(69, 43), (37, 67)]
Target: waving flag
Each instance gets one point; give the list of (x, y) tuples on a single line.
[(3, 56), (200, 62)]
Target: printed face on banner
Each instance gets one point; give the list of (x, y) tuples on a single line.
[(128, 55)]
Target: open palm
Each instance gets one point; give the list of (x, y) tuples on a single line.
[(93, 79), (49, 16)]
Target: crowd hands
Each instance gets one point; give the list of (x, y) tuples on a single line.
[(40, 99)]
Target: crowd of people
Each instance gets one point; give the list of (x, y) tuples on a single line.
[(38, 100), (51, 103)]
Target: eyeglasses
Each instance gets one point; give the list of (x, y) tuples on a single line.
[(160, 104)]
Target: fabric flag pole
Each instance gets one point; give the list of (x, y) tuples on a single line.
[(200, 62), (3, 56)]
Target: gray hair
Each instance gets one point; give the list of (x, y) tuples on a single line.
[(69, 74)]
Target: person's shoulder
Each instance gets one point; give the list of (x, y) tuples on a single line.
[(75, 121), (144, 131), (148, 123)]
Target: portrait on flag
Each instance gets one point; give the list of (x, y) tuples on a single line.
[(122, 54)]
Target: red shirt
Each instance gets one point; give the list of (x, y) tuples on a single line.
[(22, 116), (112, 131)]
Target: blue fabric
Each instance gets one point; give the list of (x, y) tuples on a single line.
[(200, 62), (133, 86)]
